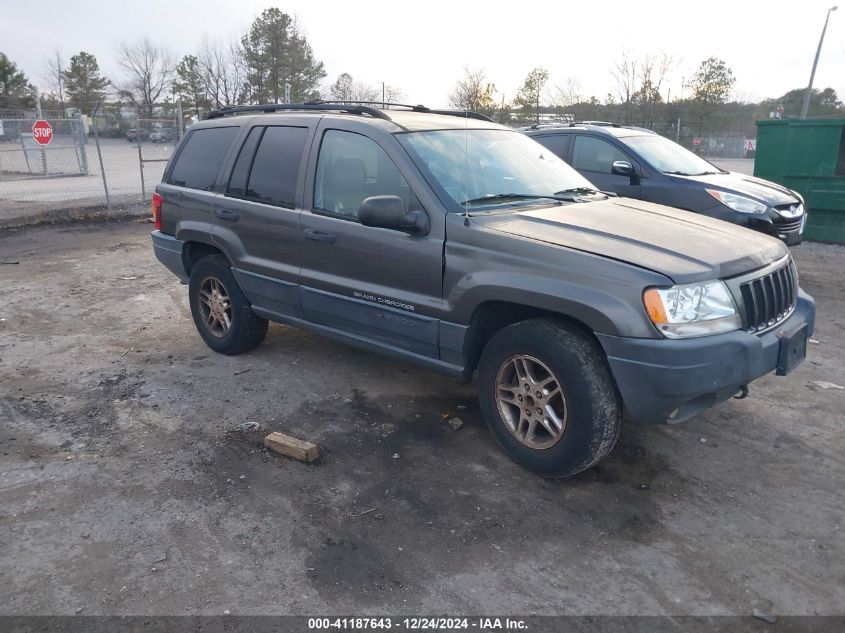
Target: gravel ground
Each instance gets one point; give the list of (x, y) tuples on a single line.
[(124, 490)]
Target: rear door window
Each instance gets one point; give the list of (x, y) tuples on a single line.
[(240, 172), (275, 168), (557, 143), (594, 154), (200, 158)]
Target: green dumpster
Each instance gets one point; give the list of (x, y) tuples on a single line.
[(808, 155)]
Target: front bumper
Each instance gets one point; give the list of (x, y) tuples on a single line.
[(663, 380), (168, 250)]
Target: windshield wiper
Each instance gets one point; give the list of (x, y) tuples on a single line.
[(701, 173), (510, 196), (578, 190)]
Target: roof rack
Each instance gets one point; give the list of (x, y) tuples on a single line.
[(355, 107), (540, 126), (469, 114), (596, 123), (314, 105)]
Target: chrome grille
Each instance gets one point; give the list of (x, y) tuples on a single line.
[(769, 299), (782, 225)]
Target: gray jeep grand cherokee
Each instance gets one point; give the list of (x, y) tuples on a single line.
[(446, 239)]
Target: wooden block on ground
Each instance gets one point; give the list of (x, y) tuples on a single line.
[(292, 447)]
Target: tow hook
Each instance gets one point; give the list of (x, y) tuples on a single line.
[(742, 393)]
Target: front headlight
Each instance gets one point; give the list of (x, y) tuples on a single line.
[(692, 309), (738, 203)]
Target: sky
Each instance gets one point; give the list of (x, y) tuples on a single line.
[(422, 47)]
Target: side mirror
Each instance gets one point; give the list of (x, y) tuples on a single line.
[(389, 212), (623, 168)]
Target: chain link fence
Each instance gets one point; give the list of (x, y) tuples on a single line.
[(108, 156), (727, 135), (113, 155)]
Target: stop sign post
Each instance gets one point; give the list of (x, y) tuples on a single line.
[(42, 132)]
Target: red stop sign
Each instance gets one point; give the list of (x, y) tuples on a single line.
[(42, 132)]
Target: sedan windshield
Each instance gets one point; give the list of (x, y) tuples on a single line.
[(669, 157), (485, 169)]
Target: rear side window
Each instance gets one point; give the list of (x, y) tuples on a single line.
[(275, 167), (594, 154), (200, 158), (557, 143)]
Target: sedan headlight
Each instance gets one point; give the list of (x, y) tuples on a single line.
[(738, 203), (692, 309)]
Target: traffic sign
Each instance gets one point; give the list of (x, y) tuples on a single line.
[(42, 132)]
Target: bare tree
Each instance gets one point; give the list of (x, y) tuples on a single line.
[(652, 74), (350, 90), (150, 70), (362, 91), (566, 94), (639, 83), (54, 76), (625, 73), (474, 92), (393, 94), (223, 72)]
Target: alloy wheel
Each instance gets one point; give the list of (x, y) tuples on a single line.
[(531, 402), (215, 306)]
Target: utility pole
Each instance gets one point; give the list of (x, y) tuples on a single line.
[(809, 93)]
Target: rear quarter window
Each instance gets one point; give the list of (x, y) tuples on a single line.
[(200, 158)]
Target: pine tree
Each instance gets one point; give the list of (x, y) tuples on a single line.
[(190, 85), (83, 82), (15, 90), (277, 53), (529, 95)]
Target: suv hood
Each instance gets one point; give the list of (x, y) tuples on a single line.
[(757, 188), (683, 246)]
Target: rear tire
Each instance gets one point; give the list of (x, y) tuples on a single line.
[(222, 313), (548, 397)]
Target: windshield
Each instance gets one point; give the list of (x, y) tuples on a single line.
[(669, 157), (481, 169)]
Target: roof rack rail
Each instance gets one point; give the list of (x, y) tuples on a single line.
[(414, 108), (314, 105), (540, 126), (354, 107), (596, 123)]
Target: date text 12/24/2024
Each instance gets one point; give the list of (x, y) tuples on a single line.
[(417, 624)]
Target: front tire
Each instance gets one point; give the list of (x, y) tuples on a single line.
[(548, 397), (222, 314)]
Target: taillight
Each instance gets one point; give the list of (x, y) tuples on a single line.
[(157, 210)]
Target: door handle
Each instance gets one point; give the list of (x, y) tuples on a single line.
[(319, 236), (229, 216)]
